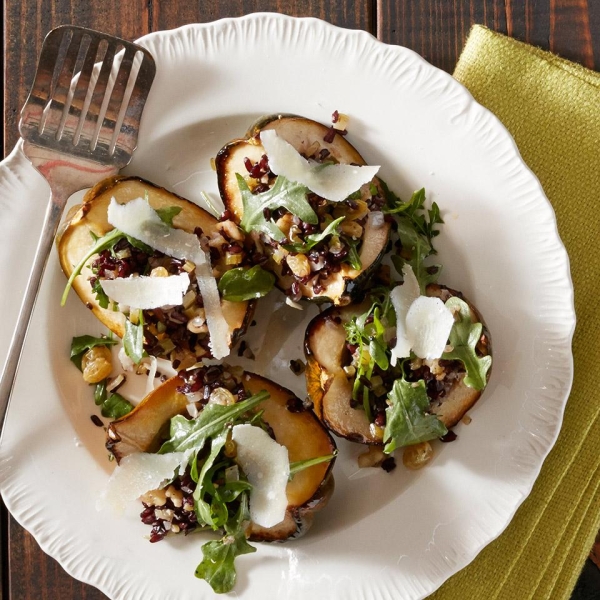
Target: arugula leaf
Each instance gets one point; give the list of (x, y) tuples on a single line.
[(217, 567), (168, 213), (101, 297), (238, 285), (103, 243), (137, 244), (367, 331), (100, 393), (419, 248), (115, 407), (464, 337), (314, 238), (353, 257), (231, 490), (186, 434), (285, 194), (416, 230), (300, 465), (213, 514), (407, 420), (81, 344), (133, 340)]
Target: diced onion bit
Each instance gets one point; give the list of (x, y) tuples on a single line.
[(333, 182), (137, 219), (266, 465)]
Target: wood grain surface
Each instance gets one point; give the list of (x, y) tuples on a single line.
[(436, 29)]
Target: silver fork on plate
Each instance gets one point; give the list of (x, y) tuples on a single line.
[(79, 125)]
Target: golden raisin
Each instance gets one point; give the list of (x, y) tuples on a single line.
[(417, 456), (96, 364)]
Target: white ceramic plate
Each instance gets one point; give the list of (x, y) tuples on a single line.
[(383, 535)]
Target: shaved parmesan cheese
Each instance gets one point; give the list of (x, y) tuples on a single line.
[(402, 296), (333, 182), (147, 292), (139, 473), (266, 465), (139, 220), (428, 325)]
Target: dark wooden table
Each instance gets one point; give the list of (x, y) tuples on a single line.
[(436, 29)]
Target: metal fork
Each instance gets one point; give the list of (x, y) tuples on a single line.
[(79, 125)]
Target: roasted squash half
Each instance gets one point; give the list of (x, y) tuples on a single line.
[(88, 221), (328, 278), (330, 388), (143, 430)]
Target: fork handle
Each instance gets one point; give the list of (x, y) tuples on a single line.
[(53, 213)]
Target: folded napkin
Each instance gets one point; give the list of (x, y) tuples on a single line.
[(552, 108)]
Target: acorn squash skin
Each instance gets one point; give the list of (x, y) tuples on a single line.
[(145, 428), (74, 239), (344, 287), (331, 390)]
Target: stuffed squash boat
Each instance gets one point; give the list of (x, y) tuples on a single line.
[(311, 207), (147, 263), (249, 459), (367, 390)]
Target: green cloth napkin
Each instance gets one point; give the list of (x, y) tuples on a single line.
[(552, 108)]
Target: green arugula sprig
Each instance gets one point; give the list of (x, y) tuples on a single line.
[(367, 331), (168, 213), (192, 434), (133, 340), (314, 238), (414, 210), (353, 256), (112, 406), (300, 465), (241, 284), (101, 243), (464, 337), (416, 230), (218, 565), (283, 194), (407, 419)]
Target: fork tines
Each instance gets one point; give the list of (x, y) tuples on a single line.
[(88, 95)]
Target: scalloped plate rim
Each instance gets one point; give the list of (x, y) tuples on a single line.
[(15, 158)]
